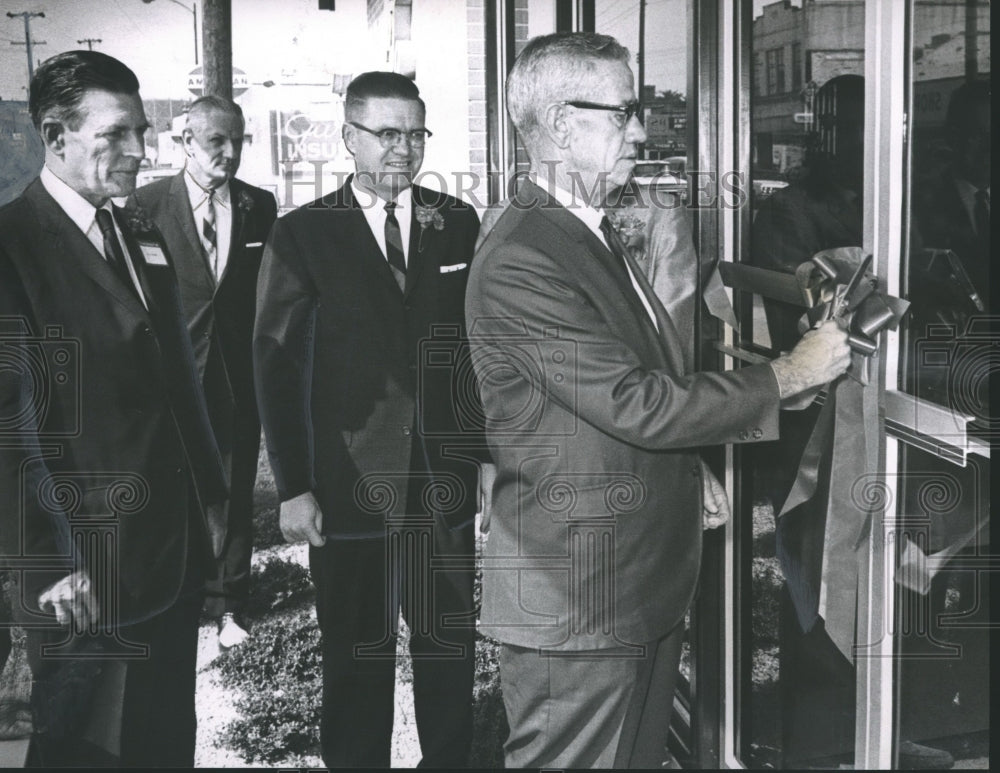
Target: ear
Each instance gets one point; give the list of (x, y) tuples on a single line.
[(53, 135), (187, 138), (348, 133), (556, 125)]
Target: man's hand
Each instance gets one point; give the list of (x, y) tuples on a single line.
[(72, 600), (715, 504), (487, 475), (821, 356), (301, 520)]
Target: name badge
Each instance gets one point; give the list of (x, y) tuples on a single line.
[(153, 254)]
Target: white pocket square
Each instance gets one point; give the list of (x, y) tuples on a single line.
[(255, 244), (453, 267)]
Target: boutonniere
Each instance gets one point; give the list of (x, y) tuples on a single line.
[(141, 224), (631, 229), (428, 216), (244, 201)]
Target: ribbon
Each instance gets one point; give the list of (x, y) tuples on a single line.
[(836, 284)]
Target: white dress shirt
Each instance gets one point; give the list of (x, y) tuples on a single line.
[(198, 198), (84, 216), (592, 219), (374, 208)]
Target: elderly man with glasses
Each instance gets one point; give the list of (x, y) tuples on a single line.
[(595, 424), (358, 346)]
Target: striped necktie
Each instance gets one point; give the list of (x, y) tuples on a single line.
[(394, 245), (208, 235)]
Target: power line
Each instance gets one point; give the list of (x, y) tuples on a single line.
[(90, 42)]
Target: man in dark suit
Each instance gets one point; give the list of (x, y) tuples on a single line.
[(215, 227), (112, 476), (369, 421), (594, 423)]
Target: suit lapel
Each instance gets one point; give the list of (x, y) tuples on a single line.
[(665, 342), (236, 233), (365, 242), (421, 240), (183, 224), (66, 239)]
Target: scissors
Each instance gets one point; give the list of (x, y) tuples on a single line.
[(840, 307)]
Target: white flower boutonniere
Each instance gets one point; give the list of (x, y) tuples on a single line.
[(428, 216), (631, 229)]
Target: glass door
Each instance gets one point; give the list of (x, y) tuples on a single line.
[(943, 421)]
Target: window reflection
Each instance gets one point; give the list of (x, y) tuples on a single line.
[(944, 542)]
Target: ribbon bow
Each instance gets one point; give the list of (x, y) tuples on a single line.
[(837, 284)]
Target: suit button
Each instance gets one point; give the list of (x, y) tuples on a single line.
[(744, 435), (406, 430), (757, 433), (696, 470), (179, 470)]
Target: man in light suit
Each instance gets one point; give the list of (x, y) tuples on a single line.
[(215, 227), (594, 423), (111, 476), (369, 420)]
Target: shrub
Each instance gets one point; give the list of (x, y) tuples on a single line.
[(276, 723), (489, 719), (278, 584)]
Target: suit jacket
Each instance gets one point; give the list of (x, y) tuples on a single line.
[(594, 423), (363, 389), (118, 433), (220, 315)]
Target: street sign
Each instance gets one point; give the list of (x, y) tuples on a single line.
[(196, 81)]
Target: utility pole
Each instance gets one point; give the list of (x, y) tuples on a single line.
[(90, 42), (641, 55), (217, 44), (28, 16)]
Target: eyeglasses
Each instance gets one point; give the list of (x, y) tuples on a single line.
[(623, 112), (390, 137)]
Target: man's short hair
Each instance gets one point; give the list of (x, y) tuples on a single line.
[(553, 68), (373, 85), (60, 83), (202, 106)]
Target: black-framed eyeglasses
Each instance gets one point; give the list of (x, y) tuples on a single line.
[(390, 137), (626, 111)]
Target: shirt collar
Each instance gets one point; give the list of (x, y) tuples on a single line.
[(591, 217), (366, 198), (199, 195), (79, 210)]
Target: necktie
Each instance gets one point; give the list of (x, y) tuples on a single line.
[(113, 248), (208, 235), (394, 245)]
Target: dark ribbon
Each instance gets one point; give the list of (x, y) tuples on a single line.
[(833, 287)]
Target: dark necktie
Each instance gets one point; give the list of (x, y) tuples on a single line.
[(208, 241), (113, 248)]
